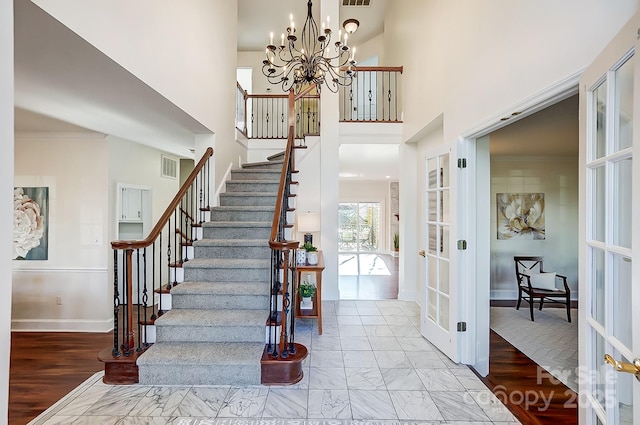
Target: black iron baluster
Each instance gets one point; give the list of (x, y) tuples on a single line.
[(176, 247), (370, 96), (116, 306), (351, 109), (153, 277), (253, 117), (169, 286), (396, 91), (206, 186), (294, 299)]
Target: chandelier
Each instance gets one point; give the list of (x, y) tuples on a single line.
[(315, 60)]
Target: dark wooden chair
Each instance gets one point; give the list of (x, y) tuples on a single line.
[(529, 274)]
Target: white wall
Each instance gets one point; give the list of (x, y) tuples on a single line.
[(180, 49), (74, 168), (6, 195), (82, 224), (473, 60), (139, 165), (557, 178)]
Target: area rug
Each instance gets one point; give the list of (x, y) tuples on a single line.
[(550, 340)]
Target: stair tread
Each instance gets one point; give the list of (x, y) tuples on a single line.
[(250, 170), (228, 263), (266, 208), (216, 318), (203, 353), (249, 194), (220, 288), (237, 224), (254, 181), (231, 242)]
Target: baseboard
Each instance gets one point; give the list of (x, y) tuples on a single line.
[(50, 325)]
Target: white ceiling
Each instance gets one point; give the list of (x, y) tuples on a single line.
[(257, 18), (369, 162), (550, 132)]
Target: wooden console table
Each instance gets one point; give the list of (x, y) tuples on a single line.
[(316, 311)]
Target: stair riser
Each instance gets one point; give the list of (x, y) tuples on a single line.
[(242, 201), (255, 175), (195, 333), (241, 186), (221, 302), (236, 375), (211, 274), (256, 252), (239, 232), (239, 215)]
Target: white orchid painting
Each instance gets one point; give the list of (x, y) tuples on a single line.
[(520, 216), (30, 223)]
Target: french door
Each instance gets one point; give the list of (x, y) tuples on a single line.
[(439, 308), (359, 226), (610, 233)]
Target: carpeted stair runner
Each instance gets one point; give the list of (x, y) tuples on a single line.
[(215, 332)]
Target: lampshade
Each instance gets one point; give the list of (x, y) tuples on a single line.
[(308, 222)]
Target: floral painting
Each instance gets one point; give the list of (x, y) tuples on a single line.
[(520, 216), (30, 223)]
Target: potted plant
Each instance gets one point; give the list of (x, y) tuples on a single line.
[(307, 291), (312, 253), (396, 242)]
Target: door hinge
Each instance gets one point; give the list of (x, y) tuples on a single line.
[(462, 245), (462, 162), (462, 326)]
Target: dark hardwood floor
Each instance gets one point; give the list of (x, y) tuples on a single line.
[(525, 388), (45, 366)]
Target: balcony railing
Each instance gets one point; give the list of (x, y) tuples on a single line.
[(265, 116), (373, 96)]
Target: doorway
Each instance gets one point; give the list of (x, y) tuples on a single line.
[(368, 200), (536, 158)]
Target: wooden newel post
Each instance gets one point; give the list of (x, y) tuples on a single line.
[(129, 319)]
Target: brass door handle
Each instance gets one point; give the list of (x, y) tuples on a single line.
[(423, 253), (633, 368)]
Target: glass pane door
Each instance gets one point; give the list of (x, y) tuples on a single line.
[(438, 311), (359, 227), (609, 295)]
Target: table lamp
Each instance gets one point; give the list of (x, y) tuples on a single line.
[(308, 223)]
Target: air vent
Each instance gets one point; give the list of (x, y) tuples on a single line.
[(356, 2), (169, 167)]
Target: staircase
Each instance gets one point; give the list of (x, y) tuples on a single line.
[(215, 332)]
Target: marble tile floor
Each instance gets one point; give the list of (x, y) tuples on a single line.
[(370, 365)]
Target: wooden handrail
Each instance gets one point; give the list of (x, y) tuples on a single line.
[(243, 91), (167, 213), (377, 68), (280, 96)]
